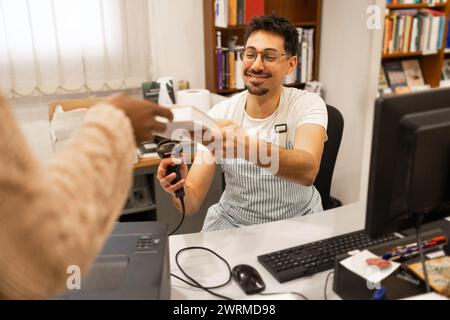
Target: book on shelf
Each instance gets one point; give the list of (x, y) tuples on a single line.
[(447, 41), (430, 3), (403, 1), (396, 76), (413, 73), (253, 8), (219, 58), (239, 81), (446, 70), (402, 89), (226, 68), (412, 30), (221, 13), (186, 120), (232, 68), (305, 55), (382, 81), (383, 87), (236, 12), (229, 64), (240, 12), (232, 12), (305, 58)]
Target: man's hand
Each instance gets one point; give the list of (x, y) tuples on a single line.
[(230, 142), (142, 115), (166, 180)]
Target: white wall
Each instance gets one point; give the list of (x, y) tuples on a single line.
[(349, 62), (177, 40)]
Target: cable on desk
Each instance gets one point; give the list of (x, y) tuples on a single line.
[(325, 295), (277, 293), (195, 283)]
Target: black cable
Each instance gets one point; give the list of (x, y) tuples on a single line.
[(194, 282), (183, 210), (419, 219), (278, 293), (325, 295)]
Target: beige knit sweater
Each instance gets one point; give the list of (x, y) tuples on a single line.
[(60, 215)]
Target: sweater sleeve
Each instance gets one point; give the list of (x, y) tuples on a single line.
[(58, 216)]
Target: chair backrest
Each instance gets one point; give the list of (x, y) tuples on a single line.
[(330, 152)]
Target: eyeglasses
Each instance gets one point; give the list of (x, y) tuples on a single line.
[(269, 56)]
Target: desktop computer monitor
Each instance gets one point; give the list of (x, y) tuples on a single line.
[(410, 161)]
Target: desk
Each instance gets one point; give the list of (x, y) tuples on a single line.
[(146, 163), (243, 245)]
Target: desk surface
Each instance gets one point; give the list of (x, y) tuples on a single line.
[(243, 245), (146, 163)]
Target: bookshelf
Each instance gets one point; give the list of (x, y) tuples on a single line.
[(414, 6), (302, 13), (431, 62)]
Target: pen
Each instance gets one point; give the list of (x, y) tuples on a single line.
[(413, 247)]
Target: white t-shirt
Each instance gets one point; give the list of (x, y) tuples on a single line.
[(302, 107)]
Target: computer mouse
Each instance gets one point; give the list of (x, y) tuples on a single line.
[(248, 279)]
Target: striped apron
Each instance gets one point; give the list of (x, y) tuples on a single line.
[(254, 196)]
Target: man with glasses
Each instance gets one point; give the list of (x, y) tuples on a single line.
[(289, 123)]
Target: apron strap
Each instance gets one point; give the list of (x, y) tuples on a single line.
[(281, 128), (238, 112)]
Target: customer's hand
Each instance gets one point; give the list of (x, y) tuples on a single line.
[(165, 180), (141, 114)]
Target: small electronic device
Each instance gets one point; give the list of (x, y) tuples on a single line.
[(166, 149)]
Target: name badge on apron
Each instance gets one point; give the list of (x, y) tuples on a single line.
[(281, 128), (281, 132)]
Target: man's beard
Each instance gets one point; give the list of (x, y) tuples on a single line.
[(255, 90)]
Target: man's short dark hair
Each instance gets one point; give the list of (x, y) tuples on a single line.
[(277, 25)]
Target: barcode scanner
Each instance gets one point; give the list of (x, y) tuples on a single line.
[(166, 149)]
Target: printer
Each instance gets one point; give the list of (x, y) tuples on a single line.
[(133, 264)]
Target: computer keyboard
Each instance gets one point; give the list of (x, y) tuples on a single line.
[(314, 257)]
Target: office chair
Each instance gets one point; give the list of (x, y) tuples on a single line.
[(330, 152)]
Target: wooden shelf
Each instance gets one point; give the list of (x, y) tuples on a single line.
[(231, 28), (146, 163), (305, 24), (415, 6), (402, 55), (430, 62), (244, 26)]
